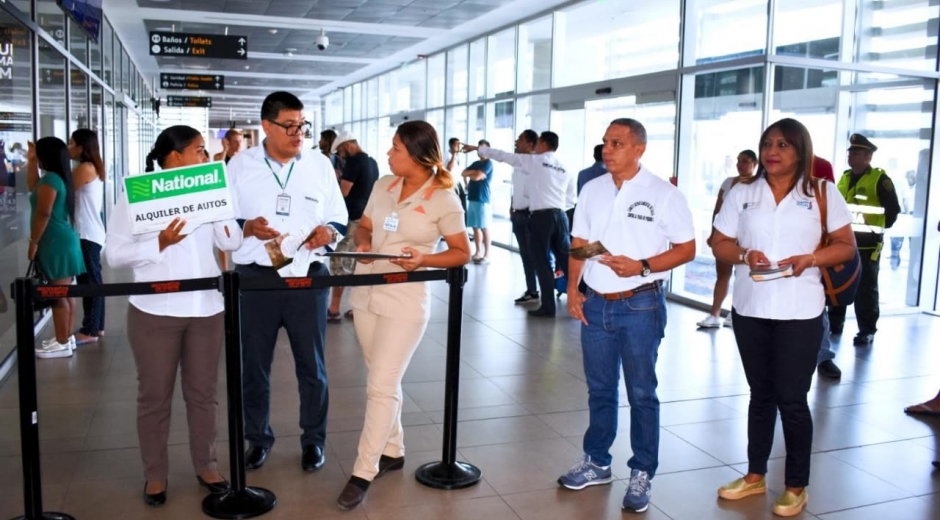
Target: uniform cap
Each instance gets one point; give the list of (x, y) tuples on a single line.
[(860, 142)]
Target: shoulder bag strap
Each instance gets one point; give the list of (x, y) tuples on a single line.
[(821, 198)]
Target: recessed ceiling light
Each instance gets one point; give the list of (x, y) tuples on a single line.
[(247, 67), (272, 31)]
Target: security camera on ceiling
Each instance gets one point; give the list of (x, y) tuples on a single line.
[(323, 41)]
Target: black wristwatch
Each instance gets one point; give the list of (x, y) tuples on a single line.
[(646, 268)]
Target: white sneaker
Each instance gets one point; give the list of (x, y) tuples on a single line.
[(711, 322), (55, 350), (52, 341), (727, 322)]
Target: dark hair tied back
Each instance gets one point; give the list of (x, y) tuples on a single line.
[(173, 139)]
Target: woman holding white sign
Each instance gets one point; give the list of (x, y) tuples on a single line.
[(174, 331)]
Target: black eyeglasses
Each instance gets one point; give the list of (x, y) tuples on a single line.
[(292, 130)]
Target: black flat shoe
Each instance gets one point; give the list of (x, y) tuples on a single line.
[(255, 457), (387, 464), (353, 494), (312, 459), (155, 499), (863, 340), (216, 488), (542, 313)]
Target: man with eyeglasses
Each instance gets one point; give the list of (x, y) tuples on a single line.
[(284, 192)]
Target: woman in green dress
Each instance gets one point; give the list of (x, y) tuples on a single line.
[(53, 242)]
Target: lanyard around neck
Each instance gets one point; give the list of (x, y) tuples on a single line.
[(283, 185)]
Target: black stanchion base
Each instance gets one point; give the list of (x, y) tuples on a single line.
[(50, 516), (440, 475), (251, 502)]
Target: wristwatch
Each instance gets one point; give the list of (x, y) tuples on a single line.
[(646, 268), (334, 234)]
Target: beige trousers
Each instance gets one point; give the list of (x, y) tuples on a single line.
[(161, 345), (387, 345)]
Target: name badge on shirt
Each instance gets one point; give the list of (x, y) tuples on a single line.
[(391, 223), (283, 205)]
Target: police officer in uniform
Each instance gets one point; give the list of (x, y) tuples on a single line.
[(873, 200)]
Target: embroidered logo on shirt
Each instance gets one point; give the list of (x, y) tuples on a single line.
[(639, 206), (311, 199), (808, 204), (750, 205), (420, 209)]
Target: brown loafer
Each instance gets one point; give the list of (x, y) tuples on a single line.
[(351, 497), (387, 464)]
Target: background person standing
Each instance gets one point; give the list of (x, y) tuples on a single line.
[(478, 177)]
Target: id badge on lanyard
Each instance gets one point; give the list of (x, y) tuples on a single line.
[(283, 205)]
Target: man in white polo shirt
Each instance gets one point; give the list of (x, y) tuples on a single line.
[(282, 191), (637, 217)]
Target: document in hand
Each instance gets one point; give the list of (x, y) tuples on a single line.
[(588, 251), (763, 275)]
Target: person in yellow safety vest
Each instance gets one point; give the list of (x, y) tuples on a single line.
[(871, 196)]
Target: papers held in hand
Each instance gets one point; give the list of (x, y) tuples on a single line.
[(588, 251), (763, 275), (365, 256)]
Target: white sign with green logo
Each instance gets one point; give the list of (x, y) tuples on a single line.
[(196, 194)]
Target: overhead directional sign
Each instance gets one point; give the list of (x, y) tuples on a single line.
[(198, 45), (192, 82), (189, 101)]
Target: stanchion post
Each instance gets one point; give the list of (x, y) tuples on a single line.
[(241, 501), (29, 413), (449, 473)]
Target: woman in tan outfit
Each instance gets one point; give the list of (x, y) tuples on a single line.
[(408, 213)]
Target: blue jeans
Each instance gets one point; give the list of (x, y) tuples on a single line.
[(825, 348), (626, 332)]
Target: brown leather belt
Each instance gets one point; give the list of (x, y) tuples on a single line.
[(625, 295)]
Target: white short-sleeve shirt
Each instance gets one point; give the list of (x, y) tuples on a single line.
[(640, 220), (752, 217)]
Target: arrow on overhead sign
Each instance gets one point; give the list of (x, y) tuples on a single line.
[(241, 41), (241, 52), (217, 78)]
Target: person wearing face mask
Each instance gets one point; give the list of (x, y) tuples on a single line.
[(359, 173), (176, 331), (282, 189)]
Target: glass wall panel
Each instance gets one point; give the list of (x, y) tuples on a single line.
[(726, 29), (408, 87), (371, 136), (386, 133), (385, 94), (457, 76), (476, 128), (357, 102), (456, 126), (436, 80), (897, 33), (126, 70), (535, 55), (436, 119), (52, 98), (77, 42), (78, 115), (478, 70), (334, 109), (595, 41), (726, 119), (501, 63), (809, 29), (16, 128), (371, 98), (533, 112), (347, 104), (107, 53), (501, 133)]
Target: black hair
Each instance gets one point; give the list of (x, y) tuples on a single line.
[(483, 142), (599, 153), (749, 154), (636, 128), (550, 139), (452, 140), (797, 136), (277, 101), (530, 137), (328, 134), (88, 141), (53, 156), (173, 139)]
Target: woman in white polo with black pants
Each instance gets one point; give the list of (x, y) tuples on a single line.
[(767, 221)]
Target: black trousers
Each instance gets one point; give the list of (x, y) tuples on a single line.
[(867, 310), (549, 233), (779, 358), (520, 228), (303, 314), (93, 321)]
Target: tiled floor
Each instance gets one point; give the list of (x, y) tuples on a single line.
[(523, 412)]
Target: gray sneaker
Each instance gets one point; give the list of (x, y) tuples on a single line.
[(585, 473), (638, 494)]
